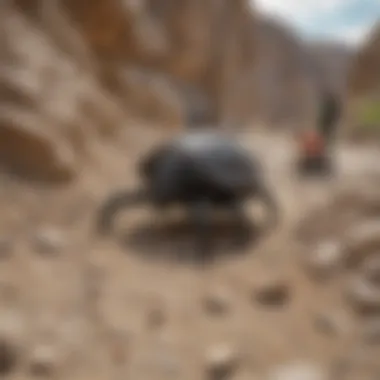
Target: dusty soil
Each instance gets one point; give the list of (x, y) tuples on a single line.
[(80, 307)]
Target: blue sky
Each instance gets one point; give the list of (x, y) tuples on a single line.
[(345, 20)]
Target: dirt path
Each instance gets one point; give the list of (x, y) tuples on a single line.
[(104, 310), (354, 163)]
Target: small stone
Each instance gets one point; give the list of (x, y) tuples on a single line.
[(222, 361), (216, 303), (361, 241), (272, 292), (49, 241), (371, 270), (325, 259), (8, 357), (298, 371), (371, 332), (44, 360), (363, 296), (331, 324)]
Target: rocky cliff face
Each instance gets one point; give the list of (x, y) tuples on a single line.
[(334, 60), (74, 72), (364, 76), (71, 71), (285, 86)]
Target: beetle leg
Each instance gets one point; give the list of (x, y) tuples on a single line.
[(114, 204), (200, 213), (271, 204), (243, 223)]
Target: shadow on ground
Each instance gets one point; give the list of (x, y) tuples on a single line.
[(177, 241)]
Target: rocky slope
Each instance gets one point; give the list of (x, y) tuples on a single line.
[(288, 74), (284, 88), (77, 98), (364, 76), (76, 73), (71, 71), (335, 60), (76, 306)]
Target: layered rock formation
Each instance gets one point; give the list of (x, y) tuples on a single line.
[(73, 70), (77, 71), (289, 73), (283, 81), (364, 77)]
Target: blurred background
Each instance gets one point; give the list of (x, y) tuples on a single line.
[(86, 87)]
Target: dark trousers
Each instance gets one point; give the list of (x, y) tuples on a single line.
[(329, 119)]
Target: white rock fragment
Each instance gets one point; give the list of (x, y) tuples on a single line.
[(325, 259), (49, 240), (221, 361), (298, 371)]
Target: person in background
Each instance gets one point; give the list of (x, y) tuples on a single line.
[(316, 144), (329, 115)]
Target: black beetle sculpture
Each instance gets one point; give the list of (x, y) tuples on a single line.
[(201, 171)]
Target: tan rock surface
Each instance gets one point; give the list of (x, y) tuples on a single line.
[(364, 76)]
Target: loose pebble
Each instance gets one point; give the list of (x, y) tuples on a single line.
[(49, 241), (363, 296), (331, 324), (272, 292), (371, 270), (298, 371), (216, 303), (325, 259), (44, 360), (361, 241), (221, 362)]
